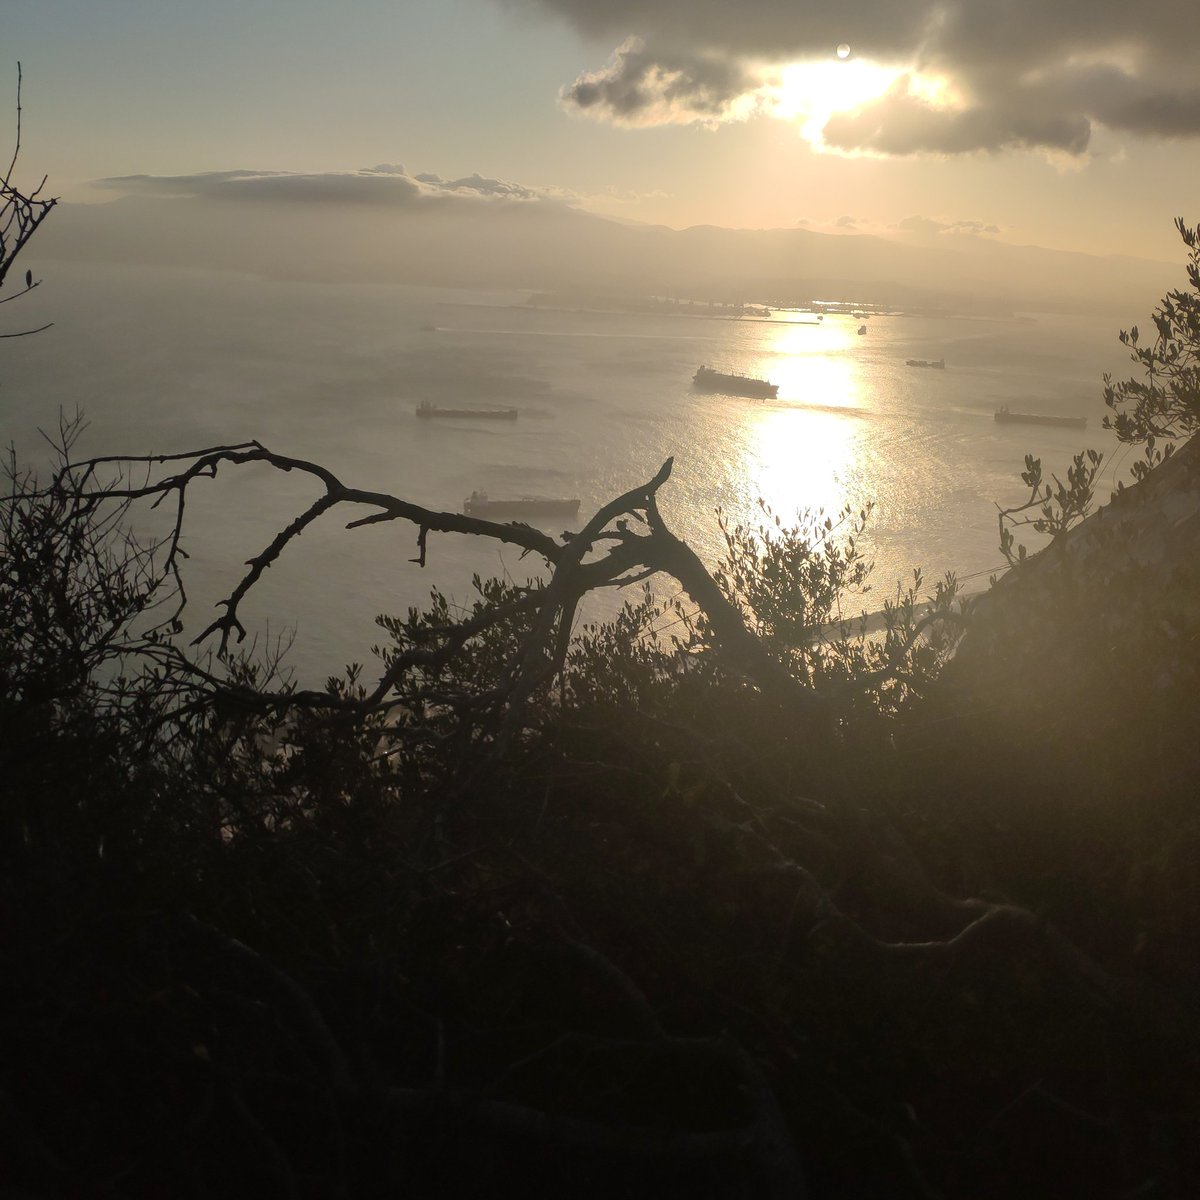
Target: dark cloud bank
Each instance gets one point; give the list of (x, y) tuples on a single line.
[(1028, 73)]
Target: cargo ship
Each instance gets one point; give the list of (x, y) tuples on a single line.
[(938, 364), (428, 411), (733, 384), (477, 504), (1005, 417)]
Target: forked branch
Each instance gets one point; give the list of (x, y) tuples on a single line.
[(625, 540)]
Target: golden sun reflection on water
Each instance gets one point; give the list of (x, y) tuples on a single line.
[(803, 450), (807, 339), (799, 458)]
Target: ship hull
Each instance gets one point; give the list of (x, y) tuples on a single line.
[(1011, 418), (528, 506), (432, 412), (734, 385)]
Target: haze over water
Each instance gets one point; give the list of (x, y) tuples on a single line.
[(168, 360)]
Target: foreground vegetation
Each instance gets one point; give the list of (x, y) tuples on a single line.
[(771, 906)]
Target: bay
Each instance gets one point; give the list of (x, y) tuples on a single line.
[(164, 360)]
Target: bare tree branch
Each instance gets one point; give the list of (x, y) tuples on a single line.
[(599, 555), (20, 215)]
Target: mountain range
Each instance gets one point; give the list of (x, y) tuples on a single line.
[(548, 245)]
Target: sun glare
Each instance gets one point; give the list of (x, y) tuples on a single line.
[(800, 458), (810, 93), (804, 449)]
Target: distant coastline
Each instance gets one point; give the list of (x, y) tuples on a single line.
[(589, 304)]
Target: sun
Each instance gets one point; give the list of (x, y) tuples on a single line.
[(809, 93)]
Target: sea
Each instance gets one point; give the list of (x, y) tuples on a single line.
[(165, 360)]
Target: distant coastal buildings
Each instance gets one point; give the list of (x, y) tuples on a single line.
[(677, 306), (663, 305)]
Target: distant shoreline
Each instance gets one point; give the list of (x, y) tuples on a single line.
[(813, 310), (906, 314), (650, 312)]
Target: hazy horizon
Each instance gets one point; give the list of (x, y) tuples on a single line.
[(390, 227)]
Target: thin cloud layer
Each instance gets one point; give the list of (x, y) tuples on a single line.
[(478, 185), (932, 227), (386, 185), (1011, 74), (916, 226)]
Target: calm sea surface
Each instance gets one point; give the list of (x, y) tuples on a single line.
[(166, 360)]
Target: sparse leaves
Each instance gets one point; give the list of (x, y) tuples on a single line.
[(797, 584), (1165, 403), (1052, 509)]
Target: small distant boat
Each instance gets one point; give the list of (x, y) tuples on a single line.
[(861, 330), (477, 504), (733, 383), (428, 411), (1005, 417), (938, 364)]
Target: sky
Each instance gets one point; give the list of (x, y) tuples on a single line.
[(1070, 124)]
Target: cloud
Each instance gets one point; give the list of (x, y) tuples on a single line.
[(204, 183), (931, 227), (846, 222), (637, 88), (1121, 99), (477, 185), (753, 28), (901, 122), (977, 75), (367, 187), (386, 185)]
